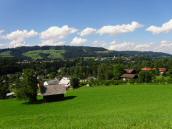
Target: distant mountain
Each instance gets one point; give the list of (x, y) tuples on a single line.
[(70, 52)]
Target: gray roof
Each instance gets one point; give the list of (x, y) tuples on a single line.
[(129, 71), (53, 90), (129, 76), (53, 82)]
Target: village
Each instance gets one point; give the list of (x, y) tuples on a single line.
[(55, 89)]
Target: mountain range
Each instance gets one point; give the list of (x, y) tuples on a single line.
[(70, 52)]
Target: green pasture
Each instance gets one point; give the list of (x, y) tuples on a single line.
[(111, 107), (41, 54)]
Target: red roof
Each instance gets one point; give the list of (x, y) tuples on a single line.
[(148, 69)]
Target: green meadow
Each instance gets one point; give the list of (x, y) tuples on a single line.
[(111, 107), (48, 54), (6, 54)]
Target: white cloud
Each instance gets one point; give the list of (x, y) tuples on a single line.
[(78, 41), (165, 28), (88, 31), (2, 39), (123, 46), (1, 45), (51, 43), (162, 46), (1, 34), (18, 37), (119, 29), (54, 34), (1, 31), (99, 44)]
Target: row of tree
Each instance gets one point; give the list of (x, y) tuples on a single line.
[(22, 77)]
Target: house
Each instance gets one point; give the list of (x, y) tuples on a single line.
[(65, 81), (10, 95), (54, 89), (129, 74), (130, 71), (162, 70)]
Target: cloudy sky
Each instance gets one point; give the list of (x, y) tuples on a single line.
[(144, 25)]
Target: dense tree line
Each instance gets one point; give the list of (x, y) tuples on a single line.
[(104, 70)]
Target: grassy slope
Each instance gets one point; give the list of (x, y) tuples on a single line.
[(50, 54), (116, 107), (6, 54)]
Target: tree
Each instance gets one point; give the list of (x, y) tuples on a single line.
[(74, 82), (26, 87), (145, 76), (169, 73), (101, 72), (4, 87), (118, 70)]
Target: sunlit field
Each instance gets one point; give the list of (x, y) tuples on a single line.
[(112, 107)]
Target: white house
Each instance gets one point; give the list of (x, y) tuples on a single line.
[(65, 81)]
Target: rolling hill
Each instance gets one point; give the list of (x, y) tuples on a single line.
[(70, 52)]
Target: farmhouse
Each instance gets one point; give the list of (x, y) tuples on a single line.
[(54, 89), (65, 81), (161, 70), (129, 74)]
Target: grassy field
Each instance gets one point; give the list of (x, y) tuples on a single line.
[(114, 107), (6, 54), (48, 54)]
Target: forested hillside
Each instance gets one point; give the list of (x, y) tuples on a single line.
[(68, 52)]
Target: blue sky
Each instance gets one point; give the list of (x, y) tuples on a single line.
[(19, 17)]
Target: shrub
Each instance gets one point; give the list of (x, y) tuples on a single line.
[(163, 79), (74, 82)]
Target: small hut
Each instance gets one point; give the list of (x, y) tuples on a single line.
[(52, 90)]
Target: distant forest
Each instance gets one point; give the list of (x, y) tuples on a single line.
[(71, 52)]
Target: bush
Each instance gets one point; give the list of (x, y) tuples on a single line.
[(163, 79), (74, 82)]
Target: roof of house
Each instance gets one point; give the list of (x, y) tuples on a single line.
[(48, 90), (162, 69), (129, 76), (51, 82), (148, 69), (65, 81), (129, 71)]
